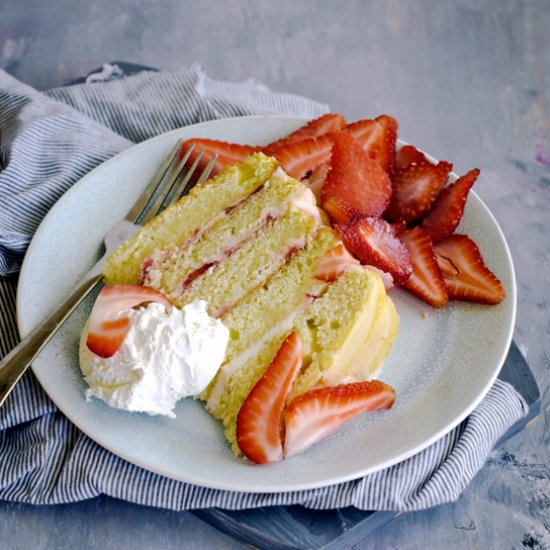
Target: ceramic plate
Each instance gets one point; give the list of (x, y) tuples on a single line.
[(441, 365)]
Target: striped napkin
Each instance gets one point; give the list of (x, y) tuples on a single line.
[(48, 141)]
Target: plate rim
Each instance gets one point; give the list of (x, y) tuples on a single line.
[(511, 295)]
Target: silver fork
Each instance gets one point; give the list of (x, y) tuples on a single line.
[(170, 182)]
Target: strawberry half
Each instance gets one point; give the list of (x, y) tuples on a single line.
[(333, 263), (426, 280), (228, 153), (378, 137), (415, 188), (465, 273), (338, 210), (259, 421), (319, 412), (302, 157), (374, 242), (448, 208), (385, 155), (407, 155), (331, 122), (368, 133), (105, 331), (355, 185), (317, 179)]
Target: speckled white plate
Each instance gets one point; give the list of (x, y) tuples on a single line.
[(441, 365)]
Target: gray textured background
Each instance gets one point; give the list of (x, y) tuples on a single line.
[(468, 81)]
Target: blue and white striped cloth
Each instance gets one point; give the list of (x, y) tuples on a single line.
[(50, 140)]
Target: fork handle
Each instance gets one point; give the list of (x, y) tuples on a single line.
[(18, 360)]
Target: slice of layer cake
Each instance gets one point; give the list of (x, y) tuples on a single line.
[(346, 333), (250, 242)]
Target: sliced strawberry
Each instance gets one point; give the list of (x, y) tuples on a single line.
[(259, 422), (399, 225), (355, 180), (378, 137), (331, 122), (319, 412), (385, 156), (338, 210), (302, 157), (333, 263), (368, 133), (228, 153), (374, 242), (426, 280), (448, 208), (465, 273), (106, 331), (317, 179), (415, 188), (407, 155)]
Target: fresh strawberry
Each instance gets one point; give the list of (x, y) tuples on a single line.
[(259, 421), (338, 210), (448, 208), (333, 263), (354, 180), (317, 179), (374, 242), (331, 122), (415, 188), (385, 156), (378, 137), (319, 412), (228, 153), (426, 280), (302, 157), (106, 331), (465, 273), (399, 225), (407, 155), (368, 133)]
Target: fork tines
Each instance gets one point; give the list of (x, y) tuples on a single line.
[(172, 181)]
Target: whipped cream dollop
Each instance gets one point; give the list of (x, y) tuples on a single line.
[(164, 357)]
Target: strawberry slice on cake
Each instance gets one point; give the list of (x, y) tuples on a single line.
[(317, 413), (107, 330), (259, 419)]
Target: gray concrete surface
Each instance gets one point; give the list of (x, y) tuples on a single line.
[(468, 81)]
